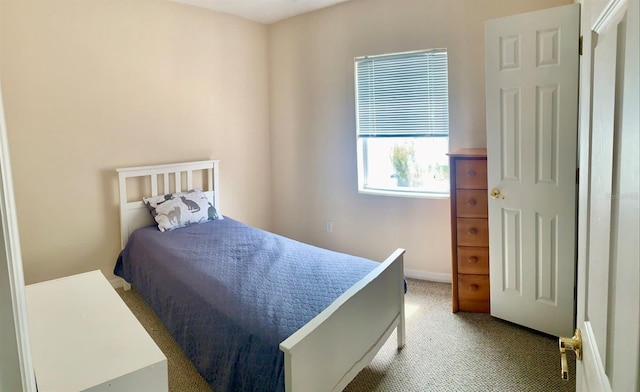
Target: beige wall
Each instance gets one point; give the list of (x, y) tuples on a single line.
[(313, 121), (94, 85), (90, 86)]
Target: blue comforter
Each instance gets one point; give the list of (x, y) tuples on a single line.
[(230, 293)]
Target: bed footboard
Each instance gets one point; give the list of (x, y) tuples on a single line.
[(331, 349)]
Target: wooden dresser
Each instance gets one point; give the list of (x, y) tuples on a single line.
[(469, 230)]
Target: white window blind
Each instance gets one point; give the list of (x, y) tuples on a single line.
[(403, 94)]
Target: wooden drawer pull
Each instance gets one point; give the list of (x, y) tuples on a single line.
[(472, 202), (474, 287), (473, 260), (471, 173), (473, 231)]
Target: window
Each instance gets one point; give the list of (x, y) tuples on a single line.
[(402, 105)]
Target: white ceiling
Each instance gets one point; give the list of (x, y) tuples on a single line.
[(263, 11)]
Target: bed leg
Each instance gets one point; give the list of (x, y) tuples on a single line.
[(126, 285), (400, 330), (401, 334)]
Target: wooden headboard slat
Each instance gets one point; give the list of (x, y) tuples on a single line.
[(189, 180), (177, 179), (154, 185)]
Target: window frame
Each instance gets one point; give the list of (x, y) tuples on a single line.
[(361, 138)]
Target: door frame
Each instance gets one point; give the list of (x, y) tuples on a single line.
[(591, 372), (15, 357)]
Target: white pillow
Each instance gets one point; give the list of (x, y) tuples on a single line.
[(176, 210)]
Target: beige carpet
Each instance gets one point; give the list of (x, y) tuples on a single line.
[(444, 352)]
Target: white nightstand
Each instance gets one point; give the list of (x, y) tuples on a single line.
[(84, 338)]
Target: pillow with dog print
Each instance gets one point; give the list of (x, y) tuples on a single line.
[(181, 209)]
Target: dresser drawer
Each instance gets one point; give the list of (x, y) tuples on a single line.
[(473, 232), (473, 260), (471, 174), (473, 293), (469, 230), (471, 203)]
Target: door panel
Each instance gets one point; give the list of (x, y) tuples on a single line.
[(510, 134), (546, 259), (511, 253), (547, 133), (532, 95)]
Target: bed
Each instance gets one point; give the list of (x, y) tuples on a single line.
[(251, 309)]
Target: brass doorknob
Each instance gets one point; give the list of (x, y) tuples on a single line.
[(496, 194), (574, 344)]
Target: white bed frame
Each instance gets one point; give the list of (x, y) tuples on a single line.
[(331, 349)]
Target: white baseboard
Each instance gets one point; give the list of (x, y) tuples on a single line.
[(430, 276), (116, 283)]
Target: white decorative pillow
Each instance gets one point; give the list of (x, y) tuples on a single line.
[(176, 210)]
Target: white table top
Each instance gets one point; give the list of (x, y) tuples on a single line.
[(83, 334)]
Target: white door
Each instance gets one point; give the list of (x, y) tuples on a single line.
[(608, 311), (532, 113)]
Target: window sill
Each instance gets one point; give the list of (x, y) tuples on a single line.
[(409, 194)]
